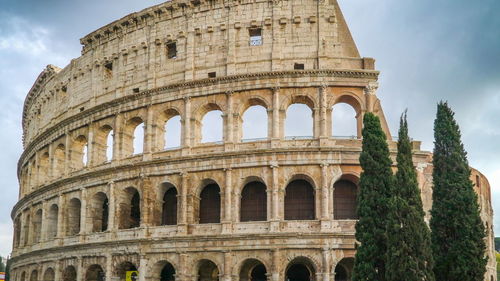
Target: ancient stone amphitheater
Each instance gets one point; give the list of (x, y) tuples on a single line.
[(94, 206)]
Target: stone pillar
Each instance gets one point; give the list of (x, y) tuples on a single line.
[(229, 120), (60, 217), (117, 137), (143, 263), (149, 133), (43, 230), (51, 168), (57, 271), (275, 215), (324, 192), (67, 154), (79, 269), (109, 267), (182, 223), (227, 266), (147, 201), (276, 114), (112, 224), (276, 265), (322, 111), (186, 124), (83, 212), (227, 203), (326, 264), (91, 153)]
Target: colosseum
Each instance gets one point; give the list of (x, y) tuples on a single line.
[(108, 191)]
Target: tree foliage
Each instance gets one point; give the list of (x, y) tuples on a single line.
[(457, 230), (409, 254), (375, 188)]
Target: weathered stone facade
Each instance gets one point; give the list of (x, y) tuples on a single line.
[(274, 208)]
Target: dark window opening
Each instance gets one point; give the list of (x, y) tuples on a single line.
[(172, 50), (298, 66), (254, 202), (135, 90), (167, 273), (212, 74), (82, 109), (105, 215), (298, 272), (135, 211), (478, 181), (255, 36), (299, 201), (344, 200), (169, 216), (109, 66), (259, 273), (210, 204)]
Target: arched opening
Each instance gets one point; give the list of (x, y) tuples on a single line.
[(103, 144), (344, 200), (110, 139), (95, 273), (73, 217), (173, 132), (343, 270), (299, 201), (49, 275), (34, 275), (26, 230), (300, 269), (133, 137), (37, 226), (212, 127), (169, 207), (17, 232), (299, 121), (52, 219), (79, 153), (344, 122), (254, 123), (43, 168), (130, 209), (167, 272), (59, 160), (69, 274), (100, 212), (127, 268), (253, 205), (23, 276), (253, 270), (207, 271), (210, 204)]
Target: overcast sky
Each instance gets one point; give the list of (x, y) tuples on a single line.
[(426, 50)]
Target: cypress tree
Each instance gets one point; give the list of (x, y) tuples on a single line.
[(2, 265), (375, 187), (457, 230), (409, 254)]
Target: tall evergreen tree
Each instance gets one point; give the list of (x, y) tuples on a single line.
[(7, 270), (457, 230), (409, 254), (2, 265), (375, 188)]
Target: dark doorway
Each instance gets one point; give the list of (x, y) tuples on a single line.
[(253, 202), (169, 216), (299, 201), (298, 272), (210, 204), (344, 200), (167, 273)]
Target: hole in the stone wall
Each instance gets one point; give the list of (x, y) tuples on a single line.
[(172, 50), (212, 74), (255, 36), (298, 66), (109, 66), (136, 90)]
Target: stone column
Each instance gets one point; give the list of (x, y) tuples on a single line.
[(322, 114), (227, 203), (324, 192), (43, 230), (143, 263), (276, 114), (91, 153), (182, 224), (326, 264), (109, 267), (275, 215), (51, 168), (186, 124), (229, 126), (83, 212), (57, 271), (276, 265), (67, 153), (117, 137), (227, 266), (60, 217), (79, 269), (112, 224), (149, 133)]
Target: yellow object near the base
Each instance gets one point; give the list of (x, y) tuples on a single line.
[(132, 276)]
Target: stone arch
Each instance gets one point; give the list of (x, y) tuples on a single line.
[(254, 113), (253, 201), (163, 271), (209, 202), (294, 114), (356, 104), (49, 275), (133, 137), (200, 118), (252, 270), (122, 268), (59, 160), (207, 270), (169, 123), (300, 198), (79, 152), (44, 167), (345, 192), (301, 269), (104, 143), (343, 269), (34, 275), (52, 221), (23, 276), (169, 202), (95, 273), (69, 274), (73, 219), (37, 226), (130, 209), (99, 212)]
